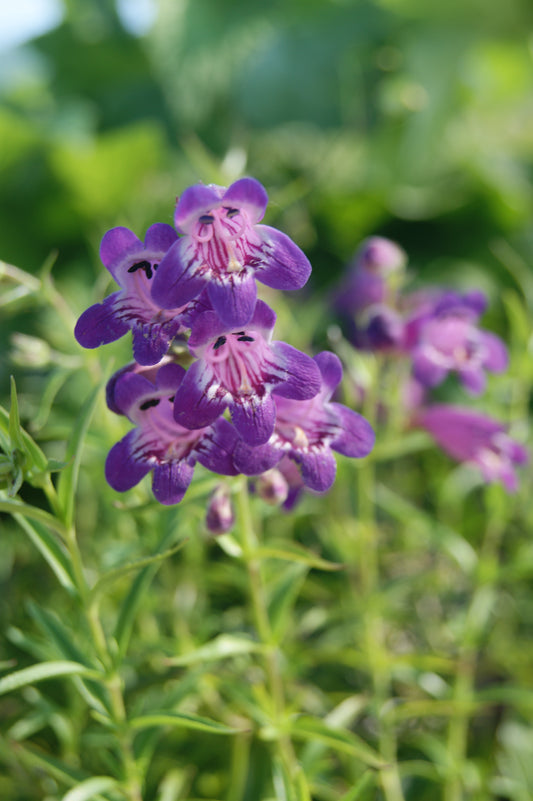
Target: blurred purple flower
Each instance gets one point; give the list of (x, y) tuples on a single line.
[(308, 430), (158, 443), (133, 265), (225, 250), (469, 436), (240, 370), (443, 336)]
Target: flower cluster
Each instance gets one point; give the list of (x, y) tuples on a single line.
[(437, 331), (196, 282)]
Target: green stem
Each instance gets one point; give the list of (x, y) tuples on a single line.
[(249, 543)]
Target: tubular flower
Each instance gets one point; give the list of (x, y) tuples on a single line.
[(469, 436), (158, 443), (133, 265), (445, 337), (224, 249), (307, 431), (240, 370)]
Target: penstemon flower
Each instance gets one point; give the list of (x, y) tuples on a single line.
[(224, 249), (445, 337), (158, 443), (133, 265), (307, 431), (242, 370), (469, 436)]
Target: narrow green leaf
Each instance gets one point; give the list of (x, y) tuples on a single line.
[(292, 552), (182, 720), (43, 671), (68, 479), (89, 788), (52, 550), (283, 595), (14, 506), (221, 647), (14, 419), (118, 572), (309, 728)]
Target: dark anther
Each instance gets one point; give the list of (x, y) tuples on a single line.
[(218, 344), (142, 265), (171, 400), (206, 219), (239, 333), (245, 339), (155, 267), (147, 404), (231, 212)]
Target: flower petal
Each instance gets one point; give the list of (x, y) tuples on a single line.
[(303, 375), (233, 298), (330, 368), (195, 201), (357, 436), (160, 237), (318, 469), (116, 245), (284, 265), (248, 194), (199, 401), (473, 379), (151, 341), (497, 358), (254, 418), (99, 325), (179, 277), (425, 370), (215, 450), (171, 480), (122, 470), (252, 461)]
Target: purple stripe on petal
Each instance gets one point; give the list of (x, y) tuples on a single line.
[(160, 237), (284, 265), (357, 436), (254, 418), (233, 299), (198, 402), (116, 245), (248, 194), (303, 375), (122, 470), (195, 201), (171, 480), (98, 325), (318, 469), (179, 277)]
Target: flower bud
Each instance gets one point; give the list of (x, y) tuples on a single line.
[(220, 516), (272, 487)]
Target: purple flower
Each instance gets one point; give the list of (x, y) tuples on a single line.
[(133, 265), (444, 337), (308, 430), (469, 436), (158, 443), (225, 250), (239, 370)]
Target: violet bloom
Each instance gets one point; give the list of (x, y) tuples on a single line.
[(469, 436), (133, 265), (239, 370), (225, 250), (445, 337), (158, 443), (308, 431)]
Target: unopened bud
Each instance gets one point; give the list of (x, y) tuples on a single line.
[(381, 256), (220, 516), (272, 487)]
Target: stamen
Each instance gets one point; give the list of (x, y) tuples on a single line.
[(220, 341), (245, 339), (206, 219), (142, 265), (148, 404), (231, 212)]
